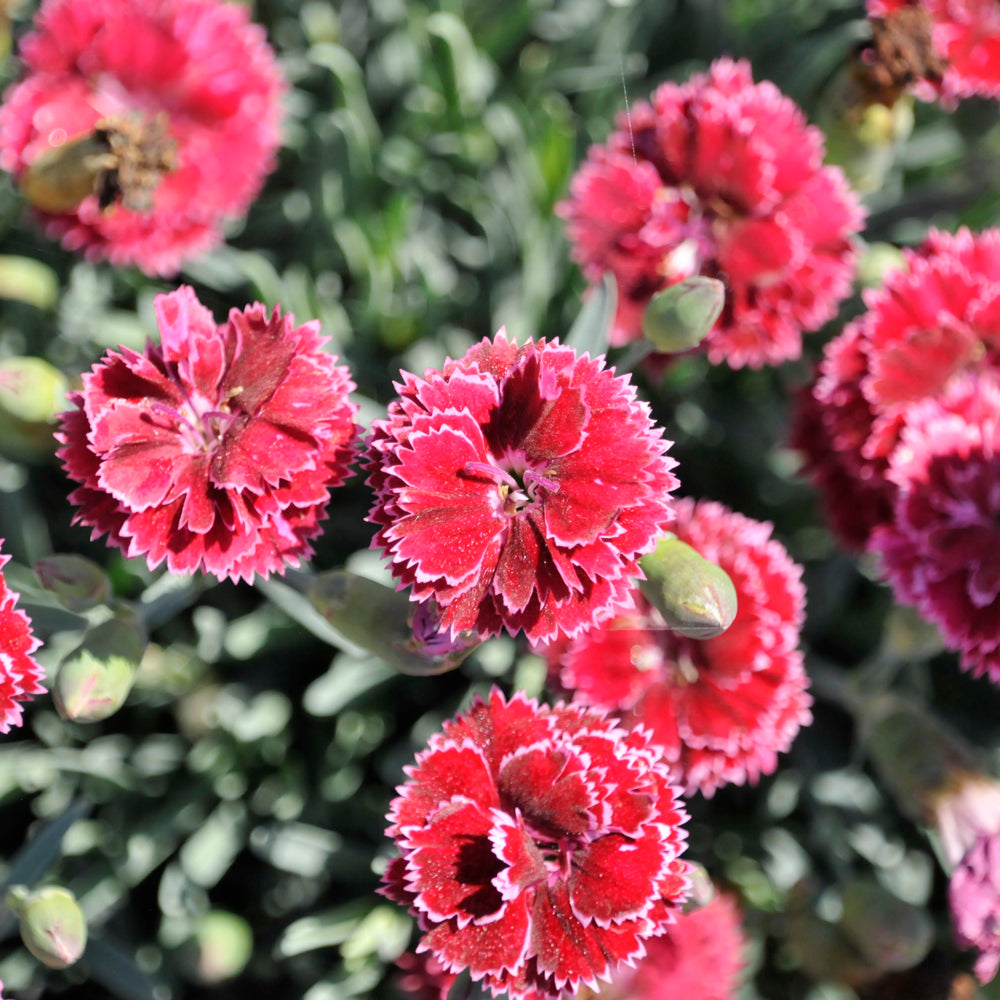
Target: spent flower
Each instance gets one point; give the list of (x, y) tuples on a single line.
[(964, 37)]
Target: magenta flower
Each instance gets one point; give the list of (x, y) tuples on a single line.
[(517, 487), (216, 449), (965, 34), (184, 95), (975, 904), (941, 551), (967, 814), (832, 426), (540, 846), (934, 320), (701, 955), (20, 674), (722, 709), (720, 177)]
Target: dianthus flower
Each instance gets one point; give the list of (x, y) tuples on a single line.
[(974, 894), (934, 775), (701, 955), (965, 35), (831, 428), (540, 846), (719, 177), (175, 104), (215, 449), (933, 320), (967, 816), (20, 674), (423, 977), (721, 709), (941, 550), (517, 487)]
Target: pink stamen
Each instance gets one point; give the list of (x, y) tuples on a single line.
[(491, 472), (533, 479)]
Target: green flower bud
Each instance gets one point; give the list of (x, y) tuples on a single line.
[(25, 280), (53, 927), (78, 583), (877, 260), (891, 934), (95, 679), (385, 622), (32, 392), (681, 316), (223, 945), (920, 760), (695, 597)]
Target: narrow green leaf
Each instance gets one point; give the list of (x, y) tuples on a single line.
[(112, 967), (37, 856), (592, 327)]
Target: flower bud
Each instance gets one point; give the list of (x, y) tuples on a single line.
[(32, 393), (53, 927), (681, 316), (59, 179), (122, 160), (877, 261), (23, 279), (79, 584), (918, 758), (695, 597), (385, 622), (864, 127), (222, 946), (935, 777), (892, 934), (95, 679)]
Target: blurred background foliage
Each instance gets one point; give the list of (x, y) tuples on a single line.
[(223, 832)]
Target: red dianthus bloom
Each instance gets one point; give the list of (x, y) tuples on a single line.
[(719, 177), (932, 321), (722, 709), (215, 449), (517, 487), (20, 674), (941, 551), (701, 955), (199, 63), (966, 35), (831, 428), (540, 846), (423, 977)]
